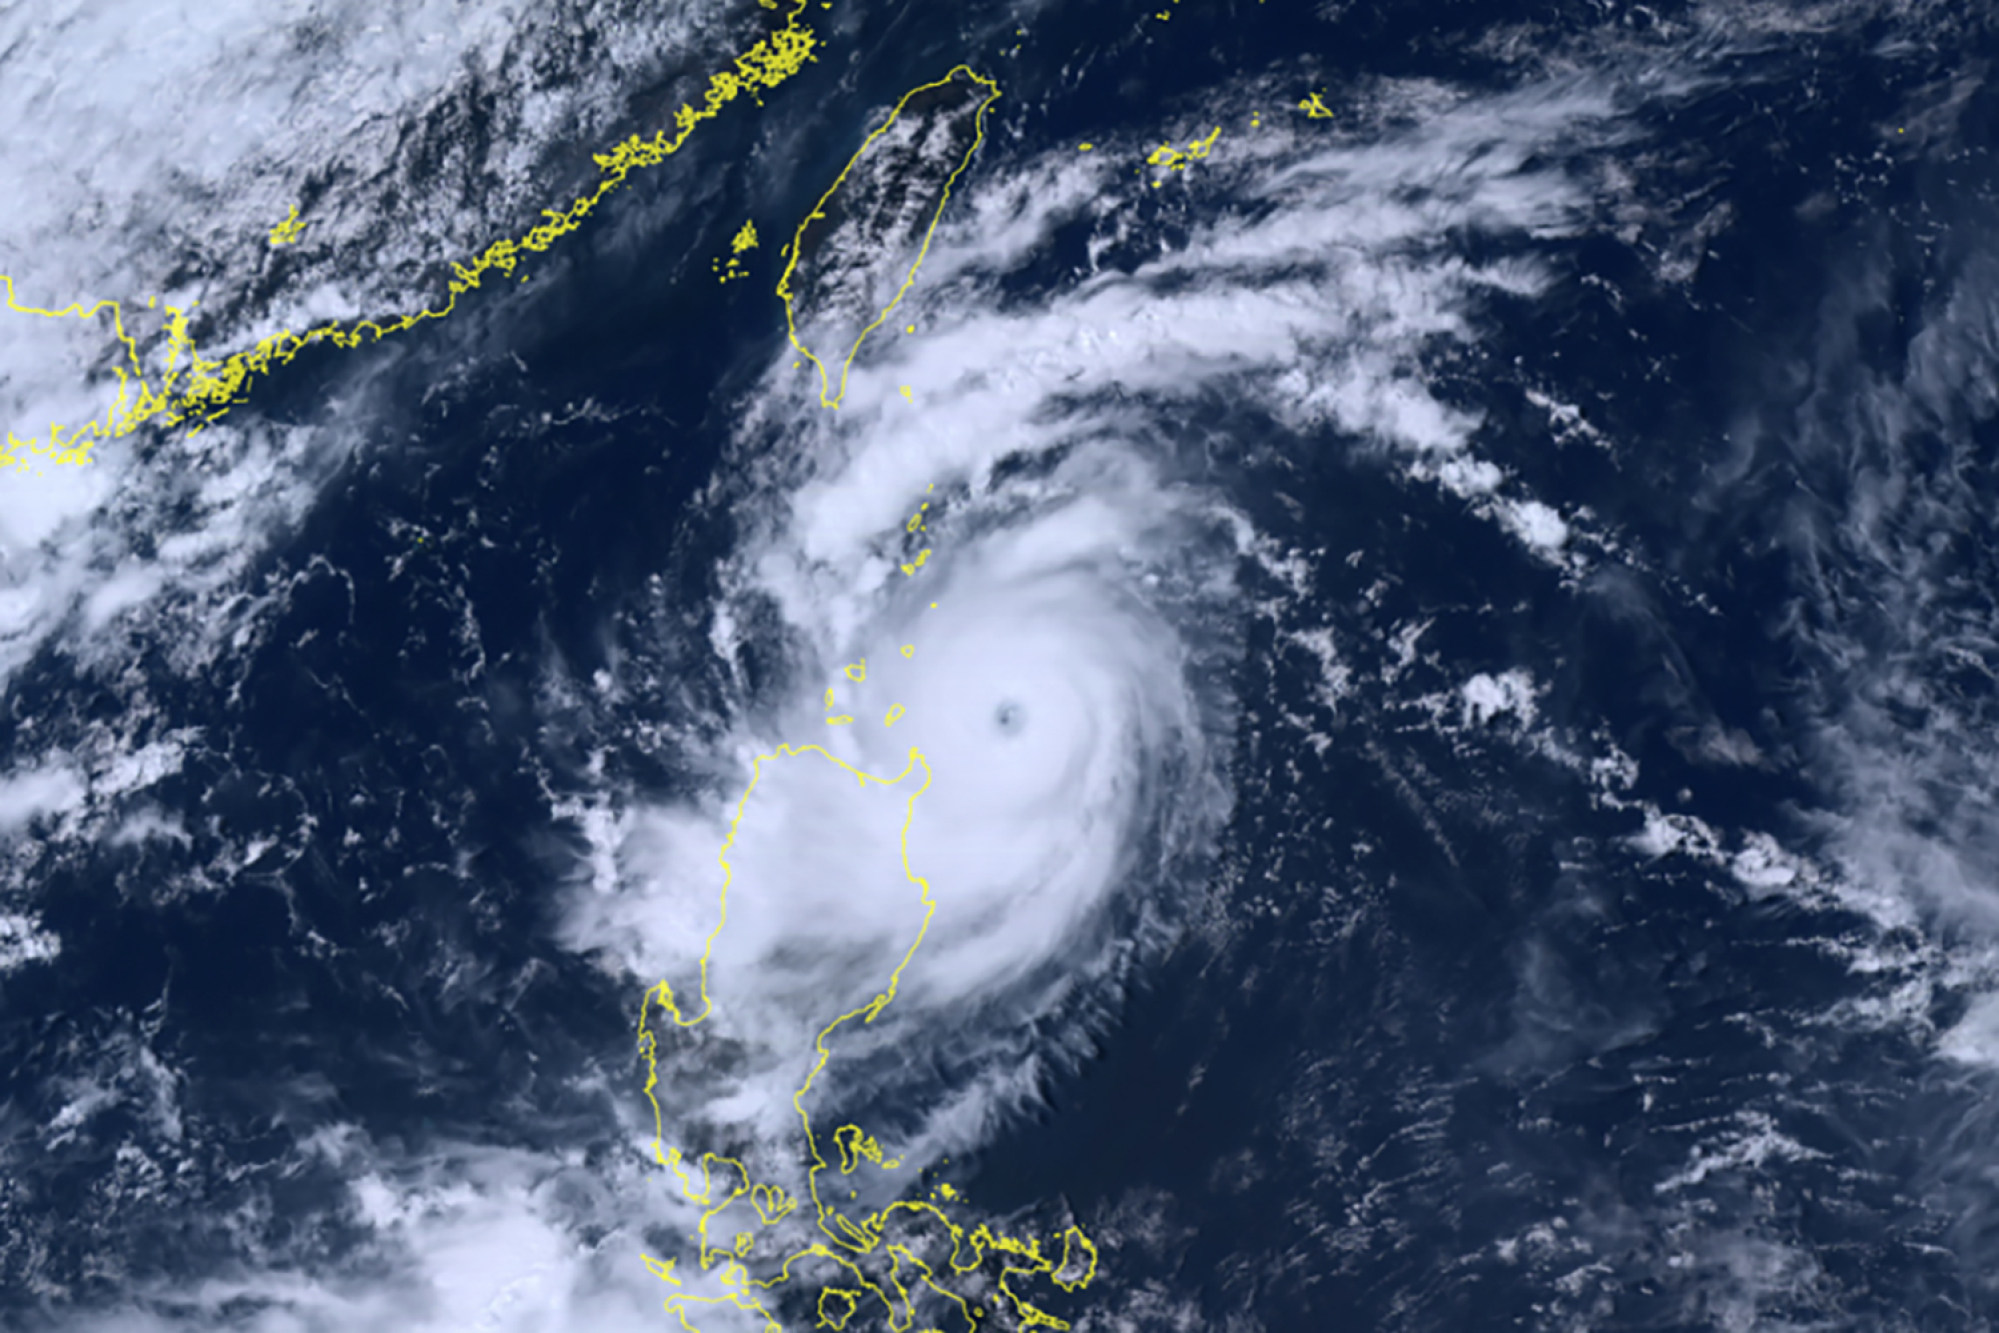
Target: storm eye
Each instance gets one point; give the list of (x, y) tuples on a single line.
[(1010, 718)]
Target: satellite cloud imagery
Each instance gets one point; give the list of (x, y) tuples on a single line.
[(761, 665)]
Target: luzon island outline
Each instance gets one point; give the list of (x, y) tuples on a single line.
[(1068, 1259)]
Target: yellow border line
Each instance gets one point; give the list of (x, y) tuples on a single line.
[(829, 393), (968, 1250), (213, 388), (845, 1240)]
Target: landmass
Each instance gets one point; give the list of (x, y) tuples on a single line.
[(182, 388), (909, 1261), (856, 254)]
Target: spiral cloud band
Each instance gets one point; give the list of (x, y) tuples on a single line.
[(1000, 584), (978, 765)]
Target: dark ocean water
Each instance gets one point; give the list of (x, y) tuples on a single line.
[(1444, 1044)]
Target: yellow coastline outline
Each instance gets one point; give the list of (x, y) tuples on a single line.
[(1176, 159), (288, 231), (1071, 1268), (203, 391), (969, 1250), (744, 241), (830, 393)]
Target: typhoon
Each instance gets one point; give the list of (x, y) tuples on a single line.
[(1005, 775), (1263, 666)]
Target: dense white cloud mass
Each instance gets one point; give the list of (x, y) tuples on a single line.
[(167, 144), (1064, 691), (1057, 627), (1005, 583)]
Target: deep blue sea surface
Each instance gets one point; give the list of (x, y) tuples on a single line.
[(1556, 491)]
